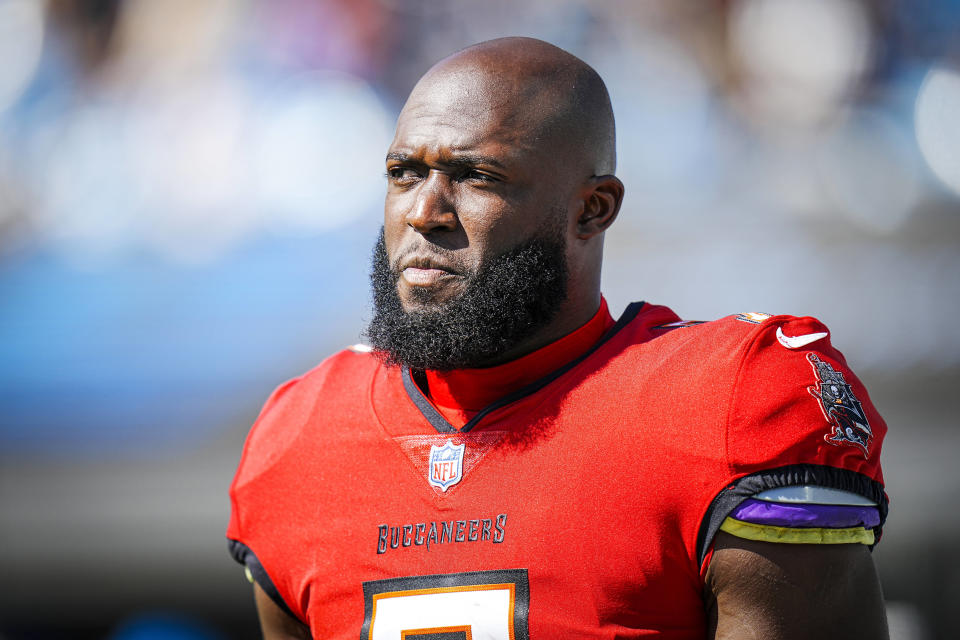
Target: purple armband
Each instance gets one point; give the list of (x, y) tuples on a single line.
[(803, 515)]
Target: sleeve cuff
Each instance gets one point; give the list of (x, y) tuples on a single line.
[(737, 499), (255, 572)]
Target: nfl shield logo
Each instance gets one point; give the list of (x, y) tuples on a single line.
[(446, 465)]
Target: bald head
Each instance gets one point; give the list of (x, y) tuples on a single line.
[(504, 148), (550, 98)]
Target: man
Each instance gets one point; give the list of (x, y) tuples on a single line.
[(506, 461)]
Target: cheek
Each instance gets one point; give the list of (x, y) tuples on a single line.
[(393, 208), (488, 233), (501, 229), (394, 226)]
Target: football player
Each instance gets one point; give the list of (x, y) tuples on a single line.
[(506, 460)]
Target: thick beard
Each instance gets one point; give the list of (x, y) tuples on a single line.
[(506, 301)]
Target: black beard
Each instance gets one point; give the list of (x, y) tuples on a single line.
[(505, 301)]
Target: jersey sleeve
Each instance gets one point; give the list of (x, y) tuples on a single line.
[(265, 446), (798, 417)]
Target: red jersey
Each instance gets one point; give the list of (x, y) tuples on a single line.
[(582, 505)]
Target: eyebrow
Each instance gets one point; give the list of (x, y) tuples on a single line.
[(458, 161)]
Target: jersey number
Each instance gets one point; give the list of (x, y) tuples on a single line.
[(478, 605)]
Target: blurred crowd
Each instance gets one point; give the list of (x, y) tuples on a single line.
[(189, 189), (182, 128), (151, 153)]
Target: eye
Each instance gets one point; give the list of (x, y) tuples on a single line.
[(402, 175), (474, 175)]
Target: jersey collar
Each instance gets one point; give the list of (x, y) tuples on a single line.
[(470, 390), (441, 424)]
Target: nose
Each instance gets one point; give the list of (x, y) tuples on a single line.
[(433, 208)]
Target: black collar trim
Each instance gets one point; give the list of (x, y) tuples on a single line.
[(442, 425)]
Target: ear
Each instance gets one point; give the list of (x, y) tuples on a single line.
[(602, 196)]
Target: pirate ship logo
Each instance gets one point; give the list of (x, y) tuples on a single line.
[(840, 407)]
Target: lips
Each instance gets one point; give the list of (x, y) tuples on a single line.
[(421, 271), (418, 277)]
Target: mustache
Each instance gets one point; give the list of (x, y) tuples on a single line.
[(425, 256)]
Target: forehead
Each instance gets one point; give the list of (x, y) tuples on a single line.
[(465, 112)]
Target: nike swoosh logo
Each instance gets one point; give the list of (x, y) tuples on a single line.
[(798, 342)]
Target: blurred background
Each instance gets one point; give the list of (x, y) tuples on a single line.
[(189, 190)]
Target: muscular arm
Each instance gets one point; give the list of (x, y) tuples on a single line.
[(780, 591), (275, 623)]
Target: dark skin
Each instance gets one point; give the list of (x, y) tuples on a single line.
[(474, 169), (790, 591), (275, 623), (471, 173)]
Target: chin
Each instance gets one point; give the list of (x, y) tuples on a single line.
[(426, 299)]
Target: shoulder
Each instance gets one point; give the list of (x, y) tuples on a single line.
[(278, 453), (659, 327), (340, 370), (340, 379), (794, 386), (782, 391), (340, 373), (760, 402), (716, 351), (735, 330), (797, 418), (744, 339), (792, 395)]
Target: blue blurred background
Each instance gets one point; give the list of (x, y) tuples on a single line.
[(189, 191)]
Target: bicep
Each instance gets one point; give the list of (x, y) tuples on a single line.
[(275, 623), (782, 591)]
